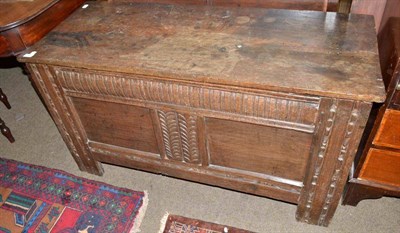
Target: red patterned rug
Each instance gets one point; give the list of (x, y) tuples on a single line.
[(179, 224), (39, 199)]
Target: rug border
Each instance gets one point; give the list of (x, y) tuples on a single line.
[(226, 228), (72, 175), (163, 222), (135, 226)]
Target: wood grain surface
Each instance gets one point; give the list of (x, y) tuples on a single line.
[(268, 150), (319, 53)]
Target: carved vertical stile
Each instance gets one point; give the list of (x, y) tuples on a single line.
[(45, 82), (338, 136), (38, 79), (326, 123), (348, 148), (340, 161)]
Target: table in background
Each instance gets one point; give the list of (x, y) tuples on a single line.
[(23, 23)]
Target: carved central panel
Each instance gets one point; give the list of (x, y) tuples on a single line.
[(179, 134)]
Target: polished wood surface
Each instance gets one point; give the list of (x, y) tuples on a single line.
[(3, 98), (3, 128), (249, 47), (23, 23), (6, 131), (16, 12), (245, 99), (388, 132), (382, 166)]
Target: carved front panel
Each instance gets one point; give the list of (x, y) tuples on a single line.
[(257, 136), (179, 134), (270, 108)]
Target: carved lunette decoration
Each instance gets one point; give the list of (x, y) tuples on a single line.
[(179, 137), (298, 112)]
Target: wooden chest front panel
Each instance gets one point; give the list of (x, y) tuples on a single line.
[(244, 136), (225, 136), (262, 149), (117, 124)]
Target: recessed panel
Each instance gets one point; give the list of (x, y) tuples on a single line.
[(117, 124), (256, 148)]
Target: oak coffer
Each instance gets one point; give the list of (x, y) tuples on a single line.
[(268, 102)]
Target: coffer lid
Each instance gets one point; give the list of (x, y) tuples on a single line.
[(302, 52)]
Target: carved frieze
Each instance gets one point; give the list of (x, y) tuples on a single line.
[(294, 110)]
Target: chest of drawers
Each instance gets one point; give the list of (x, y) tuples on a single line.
[(377, 171), (268, 102)]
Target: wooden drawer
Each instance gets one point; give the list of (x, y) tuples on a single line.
[(388, 133), (382, 166)]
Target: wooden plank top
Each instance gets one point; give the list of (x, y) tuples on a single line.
[(301, 52), (16, 12)]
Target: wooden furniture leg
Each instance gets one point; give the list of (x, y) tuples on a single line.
[(3, 98), (356, 192), (6, 131)]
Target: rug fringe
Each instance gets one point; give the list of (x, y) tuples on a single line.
[(163, 222), (140, 216)]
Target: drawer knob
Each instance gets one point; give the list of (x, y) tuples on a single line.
[(398, 87)]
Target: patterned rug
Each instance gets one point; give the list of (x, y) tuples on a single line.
[(39, 199), (179, 224)]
